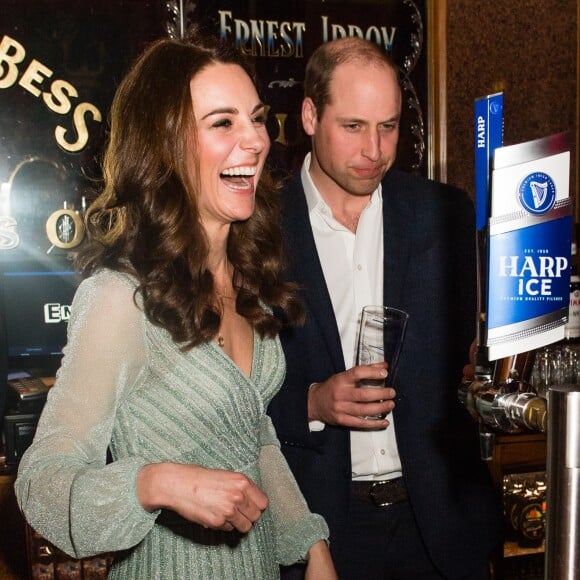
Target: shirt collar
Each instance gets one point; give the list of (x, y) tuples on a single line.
[(313, 198)]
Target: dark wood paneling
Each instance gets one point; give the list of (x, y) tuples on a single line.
[(527, 48)]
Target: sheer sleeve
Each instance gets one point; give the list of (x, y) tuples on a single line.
[(64, 487), (295, 526)]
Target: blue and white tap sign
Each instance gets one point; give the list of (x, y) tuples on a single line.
[(530, 229)]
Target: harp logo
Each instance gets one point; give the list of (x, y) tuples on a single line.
[(537, 193)]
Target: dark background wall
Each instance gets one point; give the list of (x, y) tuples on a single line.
[(528, 49)]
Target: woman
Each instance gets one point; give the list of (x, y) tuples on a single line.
[(173, 352)]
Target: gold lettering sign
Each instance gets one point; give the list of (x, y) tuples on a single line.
[(65, 229), (58, 97)]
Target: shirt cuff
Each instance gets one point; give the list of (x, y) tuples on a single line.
[(314, 426)]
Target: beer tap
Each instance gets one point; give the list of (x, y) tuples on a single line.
[(503, 400)]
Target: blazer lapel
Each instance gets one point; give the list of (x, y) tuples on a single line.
[(301, 248), (397, 217)]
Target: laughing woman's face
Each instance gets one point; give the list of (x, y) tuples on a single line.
[(232, 142)]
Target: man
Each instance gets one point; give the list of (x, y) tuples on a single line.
[(407, 497)]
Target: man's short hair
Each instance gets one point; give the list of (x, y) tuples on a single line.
[(328, 56)]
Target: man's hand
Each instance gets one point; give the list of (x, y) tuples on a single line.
[(339, 401), (469, 369)]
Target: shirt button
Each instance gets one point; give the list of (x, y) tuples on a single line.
[(359, 267), (382, 451)]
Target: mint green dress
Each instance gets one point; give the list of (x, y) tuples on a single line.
[(125, 385)]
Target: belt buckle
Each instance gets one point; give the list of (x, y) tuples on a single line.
[(372, 494)]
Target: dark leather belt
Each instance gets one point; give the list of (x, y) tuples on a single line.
[(380, 493)]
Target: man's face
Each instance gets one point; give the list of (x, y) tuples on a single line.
[(354, 142)]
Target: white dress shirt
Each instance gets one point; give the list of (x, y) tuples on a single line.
[(353, 269)]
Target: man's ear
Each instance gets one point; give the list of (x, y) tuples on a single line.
[(309, 119)]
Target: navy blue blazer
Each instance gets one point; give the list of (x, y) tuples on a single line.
[(429, 271)]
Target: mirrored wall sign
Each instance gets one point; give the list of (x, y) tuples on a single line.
[(61, 60)]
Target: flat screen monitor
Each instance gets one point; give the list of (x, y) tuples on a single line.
[(36, 302)]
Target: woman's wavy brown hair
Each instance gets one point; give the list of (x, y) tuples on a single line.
[(146, 220)]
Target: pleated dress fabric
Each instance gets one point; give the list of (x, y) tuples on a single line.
[(124, 385)]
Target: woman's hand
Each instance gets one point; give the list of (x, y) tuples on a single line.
[(319, 565), (214, 498)]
